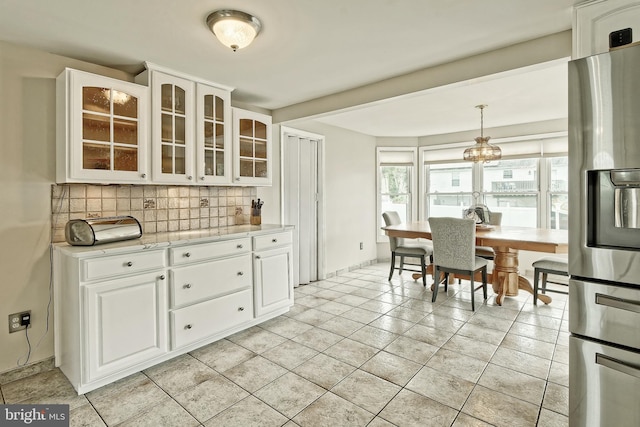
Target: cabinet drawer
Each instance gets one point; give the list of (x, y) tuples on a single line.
[(109, 266), (199, 321), (272, 241), (194, 253), (201, 281)]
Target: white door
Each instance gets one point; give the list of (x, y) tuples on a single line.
[(302, 172)]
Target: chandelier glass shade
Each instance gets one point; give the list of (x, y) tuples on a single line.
[(482, 151), (233, 28)]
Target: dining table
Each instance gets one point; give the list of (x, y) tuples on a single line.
[(506, 242)]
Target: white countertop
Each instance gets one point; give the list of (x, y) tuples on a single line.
[(161, 240)]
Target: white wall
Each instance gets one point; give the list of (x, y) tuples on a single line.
[(27, 170), (350, 195)]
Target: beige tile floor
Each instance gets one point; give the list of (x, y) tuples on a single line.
[(355, 350)]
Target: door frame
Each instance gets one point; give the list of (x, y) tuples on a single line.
[(320, 199)]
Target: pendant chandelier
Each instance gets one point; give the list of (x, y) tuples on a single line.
[(482, 151)]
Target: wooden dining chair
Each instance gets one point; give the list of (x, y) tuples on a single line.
[(406, 248), (454, 243)]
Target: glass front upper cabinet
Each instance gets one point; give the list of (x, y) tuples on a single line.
[(213, 135), (101, 129), (252, 146), (172, 121)]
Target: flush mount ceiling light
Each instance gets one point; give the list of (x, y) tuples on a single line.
[(482, 151), (233, 28)]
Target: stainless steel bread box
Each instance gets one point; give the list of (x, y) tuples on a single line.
[(95, 231)]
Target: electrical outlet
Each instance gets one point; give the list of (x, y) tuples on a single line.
[(361, 246), (19, 321)]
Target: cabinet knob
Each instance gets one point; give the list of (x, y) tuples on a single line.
[(237, 179), (240, 308), (188, 254), (189, 326), (162, 277), (143, 176), (274, 240), (257, 256), (202, 178), (239, 246), (129, 264), (240, 273), (187, 286), (189, 177)]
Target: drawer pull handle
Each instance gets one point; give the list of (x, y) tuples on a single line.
[(240, 308), (614, 302), (240, 273), (162, 277), (274, 240), (187, 286), (129, 264), (618, 365), (239, 246), (188, 254), (189, 326)]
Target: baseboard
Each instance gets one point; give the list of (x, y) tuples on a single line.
[(351, 268), (26, 371)]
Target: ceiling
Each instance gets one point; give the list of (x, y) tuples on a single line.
[(313, 48)]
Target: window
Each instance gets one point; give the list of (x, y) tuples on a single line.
[(396, 181), (528, 185)]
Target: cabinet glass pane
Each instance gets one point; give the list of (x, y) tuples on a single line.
[(180, 102), (219, 163), (96, 128), (208, 162), (125, 159), (219, 109), (246, 147), (208, 134), (261, 169), (167, 128), (246, 127), (96, 99), (208, 107), (124, 104), (180, 132), (180, 168), (261, 130), (261, 149), (246, 168), (96, 156), (167, 158), (220, 136), (125, 131), (167, 97)]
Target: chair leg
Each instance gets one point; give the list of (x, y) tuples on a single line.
[(401, 264), (484, 282), (423, 267), (536, 273), (473, 303), (544, 283), (446, 282), (436, 283), (393, 264)]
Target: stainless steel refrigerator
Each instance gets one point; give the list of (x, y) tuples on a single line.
[(604, 239)]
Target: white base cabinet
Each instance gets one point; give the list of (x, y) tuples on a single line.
[(123, 307)]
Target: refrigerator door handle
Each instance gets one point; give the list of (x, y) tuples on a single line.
[(622, 304), (617, 365)]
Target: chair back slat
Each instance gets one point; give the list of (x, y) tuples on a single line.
[(454, 242), (392, 218)]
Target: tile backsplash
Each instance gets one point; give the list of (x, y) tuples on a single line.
[(158, 208)]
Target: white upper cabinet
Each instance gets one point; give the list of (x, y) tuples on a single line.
[(190, 129), (213, 135), (101, 129), (252, 148)]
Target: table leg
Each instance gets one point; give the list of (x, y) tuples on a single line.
[(505, 280)]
